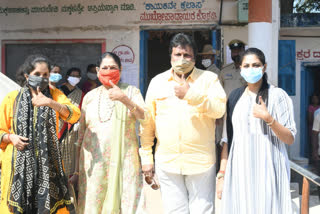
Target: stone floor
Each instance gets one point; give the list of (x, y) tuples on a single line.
[(154, 203)]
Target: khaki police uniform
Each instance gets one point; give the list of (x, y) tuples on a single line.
[(230, 78), (214, 69)]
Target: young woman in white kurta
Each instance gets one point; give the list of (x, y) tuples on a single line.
[(257, 177)]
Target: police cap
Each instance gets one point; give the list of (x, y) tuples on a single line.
[(236, 44)]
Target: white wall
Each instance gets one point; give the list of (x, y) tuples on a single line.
[(114, 37), (118, 27), (233, 32)]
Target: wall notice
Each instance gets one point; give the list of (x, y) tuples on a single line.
[(115, 12), (130, 72), (308, 54)]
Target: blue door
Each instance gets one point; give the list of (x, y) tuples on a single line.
[(216, 44), (307, 89)]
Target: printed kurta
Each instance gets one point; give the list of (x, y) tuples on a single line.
[(95, 134), (257, 178)]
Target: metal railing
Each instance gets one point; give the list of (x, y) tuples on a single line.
[(307, 176)]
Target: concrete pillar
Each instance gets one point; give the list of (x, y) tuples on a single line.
[(275, 41), (261, 32)]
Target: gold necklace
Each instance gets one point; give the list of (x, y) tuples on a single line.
[(110, 106)]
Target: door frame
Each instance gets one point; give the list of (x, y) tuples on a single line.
[(304, 102), (144, 36)]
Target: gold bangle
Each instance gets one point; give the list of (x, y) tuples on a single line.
[(270, 124), (133, 109), (76, 173)]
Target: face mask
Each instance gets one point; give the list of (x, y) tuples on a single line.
[(106, 76), (206, 62), (236, 59), (182, 66), (92, 76), (55, 77), (73, 80), (36, 81), (252, 75)]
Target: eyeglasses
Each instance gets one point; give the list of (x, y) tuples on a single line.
[(152, 182)]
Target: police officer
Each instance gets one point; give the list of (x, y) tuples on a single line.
[(208, 56), (230, 74), (230, 79)]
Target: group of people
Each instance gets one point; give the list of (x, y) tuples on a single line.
[(180, 110)]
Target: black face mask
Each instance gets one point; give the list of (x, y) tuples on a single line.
[(35, 82), (236, 59)]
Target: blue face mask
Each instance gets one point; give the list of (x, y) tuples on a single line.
[(55, 77), (252, 75)]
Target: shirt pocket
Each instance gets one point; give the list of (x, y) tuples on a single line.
[(227, 77), (164, 105)]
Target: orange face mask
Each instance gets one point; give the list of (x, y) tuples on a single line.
[(106, 75)]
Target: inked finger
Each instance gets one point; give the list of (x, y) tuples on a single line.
[(111, 83), (261, 101), (183, 78)]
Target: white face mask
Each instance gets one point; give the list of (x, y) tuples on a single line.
[(92, 76), (206, 62), (73, 80)]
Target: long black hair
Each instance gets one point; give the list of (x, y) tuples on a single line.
[(70, 70), (263, 91), (28, 66)]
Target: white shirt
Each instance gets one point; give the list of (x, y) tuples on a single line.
[(316, 121)]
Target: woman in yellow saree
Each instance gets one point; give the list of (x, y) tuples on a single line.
[(32, 178)]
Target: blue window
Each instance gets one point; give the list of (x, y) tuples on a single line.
[(287, 66)]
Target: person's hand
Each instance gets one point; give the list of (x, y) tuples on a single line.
[(260, 111), (18, 141), (182, 89), (52, 86), (74, 179), (219, 187), (115, 93), (39, 99), (148, 170)]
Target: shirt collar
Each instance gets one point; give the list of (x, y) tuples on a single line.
[(193, 76)]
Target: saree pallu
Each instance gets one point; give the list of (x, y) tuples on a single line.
[(38, 183)]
